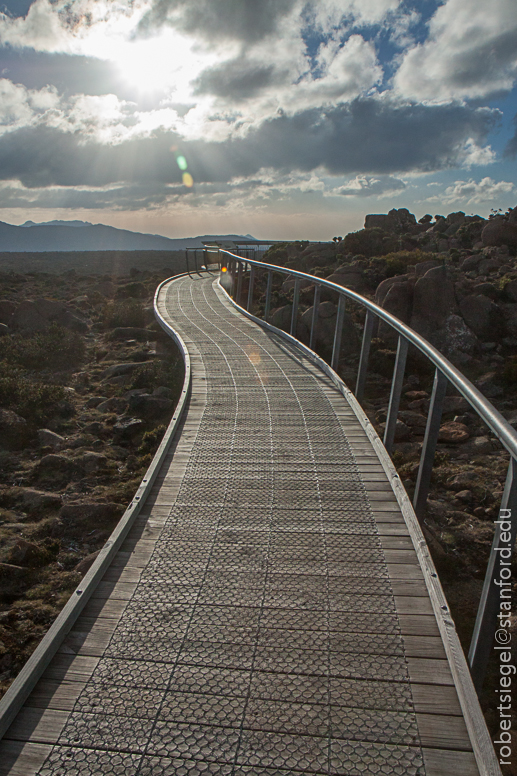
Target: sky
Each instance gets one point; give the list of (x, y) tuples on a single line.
[(284, 119)]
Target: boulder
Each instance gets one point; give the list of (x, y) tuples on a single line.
[(93, 462), (289, 284), (348, 277), (471, 262), (4, 330), (94, 401), (481, 445), (14, 430), (91, 514), (499, 231), (326, 326), (47, 438), (95, 428), (28, 318), (398, 302), (56, 469), (463, 480), (433, 302), (483, 316), (148, 406), (454, 404), (281, 317), (453, 433), (425, 266), (7, 308), (510, 290), (85, 564), (122, 369), (115, 404), (384, 287), (460, 341), (396, 221), (413, 419), (163, 391), (35, 501), (24, 553), (127, 429)]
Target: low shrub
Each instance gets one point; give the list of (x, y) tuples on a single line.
[(54, 348), (124, 313), (167, 372), (33, 401)]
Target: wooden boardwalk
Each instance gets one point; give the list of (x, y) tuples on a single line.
[(268, 614)]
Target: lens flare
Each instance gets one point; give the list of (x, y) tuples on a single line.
[(182, 162), (188, 180), (224, 269)]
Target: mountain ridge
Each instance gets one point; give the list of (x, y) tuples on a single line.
[(94, 237)]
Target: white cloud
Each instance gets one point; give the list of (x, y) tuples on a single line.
[(364, 186), (21, 107), (471, 52), (487, 190)]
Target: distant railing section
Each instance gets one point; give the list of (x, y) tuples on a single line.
[(238, 267)]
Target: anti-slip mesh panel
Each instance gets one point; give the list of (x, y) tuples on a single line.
[(262, 637)]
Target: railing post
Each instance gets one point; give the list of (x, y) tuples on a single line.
[(494, 593), (268, 294), (294, 315), (239, 282), (396, 390), (365, 352), (432, 428), (250, 289), (315, 311), (337, 331)]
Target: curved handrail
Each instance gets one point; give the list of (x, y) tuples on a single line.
[(486, 620), (492, 417)]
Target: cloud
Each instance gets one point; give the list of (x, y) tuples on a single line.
[(21, 107), (362, 186), (471, 52), (469, 191), (370, 137)]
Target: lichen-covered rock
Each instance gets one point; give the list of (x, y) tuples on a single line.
[(433, 302), (56, 469), (453, 433), (48, 438)]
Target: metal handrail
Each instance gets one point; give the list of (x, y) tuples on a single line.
[(445, 372)]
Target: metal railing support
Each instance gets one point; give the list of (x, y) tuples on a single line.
[(365, 352), (268, 295), (496, 587), (315, 311), (338, 331), (240, 270), (250, 289), (430, 441), (396, 390), (296, 298)]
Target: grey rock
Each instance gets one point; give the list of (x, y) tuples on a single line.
[(7, 308), (58, 469), (148, 406), (94, 401), (115, 404), (47, 438), (398, 302), (122, 369), (4, 330), (459, 339), (91, 513), (498, 231), (483, 316), (127, 430), (33, 501), (93, 462), (13, 429), (433, 302), (163, 391), (133, 332)]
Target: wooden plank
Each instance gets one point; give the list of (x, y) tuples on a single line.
[(400, 571), (92, 642), (413, 605), (98, 607), (37, 725), (424, 646), (429, 671), (418, 625), (114, 590), (71, 668), (397, 543), (436, 699), (409, 587), (443, 732), (53, 694), (439, 762), (18, 758)]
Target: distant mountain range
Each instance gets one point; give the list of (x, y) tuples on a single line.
[(83, 236)]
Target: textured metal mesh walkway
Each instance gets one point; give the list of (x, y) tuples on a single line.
[(275, 619)]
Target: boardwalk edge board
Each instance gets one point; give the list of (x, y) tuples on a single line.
[(484, 752), (26, 680)]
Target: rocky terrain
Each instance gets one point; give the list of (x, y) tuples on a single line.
[(88, 383), (454, 280)]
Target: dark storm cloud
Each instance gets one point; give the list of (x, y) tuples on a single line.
[(237, 79), (366, 137), (245, 20)]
